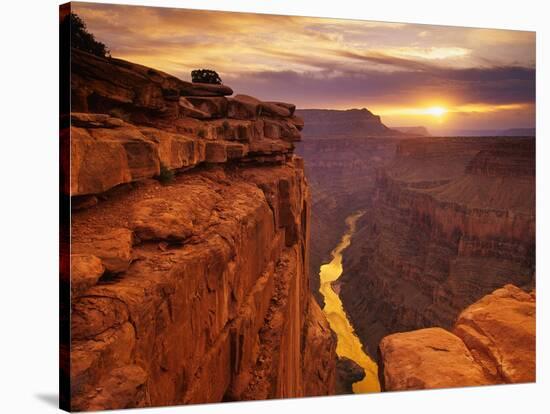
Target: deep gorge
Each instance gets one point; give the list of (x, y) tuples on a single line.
[(201, 224)]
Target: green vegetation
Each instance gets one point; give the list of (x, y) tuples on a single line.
[(166, 175), (81, 38), (205, 76)]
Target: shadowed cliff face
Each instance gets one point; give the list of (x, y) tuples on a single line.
[(452, 219), (197, 290), (341, 173)]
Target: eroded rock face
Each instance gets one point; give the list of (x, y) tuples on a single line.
[(493, 342), (197, 290), (341, 173), (500, 331), (129, 120), (451, 220)]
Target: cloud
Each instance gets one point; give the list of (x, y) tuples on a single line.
[(325, 62)]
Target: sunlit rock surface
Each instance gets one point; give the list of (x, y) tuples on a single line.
[(493, 342), (197, 290)]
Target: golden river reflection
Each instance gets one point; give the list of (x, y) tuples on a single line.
[(348, 343)]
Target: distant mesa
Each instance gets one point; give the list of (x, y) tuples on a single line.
[(510, 132), (350, 123), (417, 131)]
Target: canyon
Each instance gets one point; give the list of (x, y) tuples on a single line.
[(283, 252), (341, 172), (452, 219), (447, 220), (189, 274)]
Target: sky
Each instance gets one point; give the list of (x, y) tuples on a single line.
[(441, 77)]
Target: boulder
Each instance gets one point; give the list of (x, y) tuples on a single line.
[(86, 269), (243, 107), (158, 219), (428, 358), (214, 107), (348, 372), (500, 331), (114, 248)]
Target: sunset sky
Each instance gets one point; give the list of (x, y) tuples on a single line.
[(440, 77)]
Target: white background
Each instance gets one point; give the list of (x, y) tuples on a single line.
[(29, 209)]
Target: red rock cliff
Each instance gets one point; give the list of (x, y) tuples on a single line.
[(197, 290)]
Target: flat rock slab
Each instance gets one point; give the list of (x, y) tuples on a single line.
[(204, 89), (428, 358)]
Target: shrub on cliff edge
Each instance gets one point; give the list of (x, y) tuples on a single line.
[(205, 76), (166, 175), (81, 38)]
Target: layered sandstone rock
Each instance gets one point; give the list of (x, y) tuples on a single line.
[(500, 331), (196, 290), (493, 342), (452, 219)]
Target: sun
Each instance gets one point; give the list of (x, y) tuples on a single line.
[(436, 111)]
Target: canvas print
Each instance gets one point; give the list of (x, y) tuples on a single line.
[(258, 206)]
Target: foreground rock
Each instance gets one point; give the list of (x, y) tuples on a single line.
[(493, 343), (195, 290), (348, 372), (428, 358), (500, 331)]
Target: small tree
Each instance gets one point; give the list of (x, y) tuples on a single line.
[(205, 76), (80, 37)]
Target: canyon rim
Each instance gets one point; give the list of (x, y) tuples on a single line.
[(235, 224)]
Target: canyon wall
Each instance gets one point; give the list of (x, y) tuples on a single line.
[(342, 150), (452, 219), (189, 245), (493, 341)]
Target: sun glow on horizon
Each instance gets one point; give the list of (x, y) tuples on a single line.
[(436, 111)]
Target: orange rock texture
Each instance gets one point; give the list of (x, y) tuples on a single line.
[(493, 342), (195, 290)]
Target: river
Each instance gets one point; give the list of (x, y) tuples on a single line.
[(348, 345)]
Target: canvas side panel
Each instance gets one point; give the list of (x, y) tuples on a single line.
[(64, 209)]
